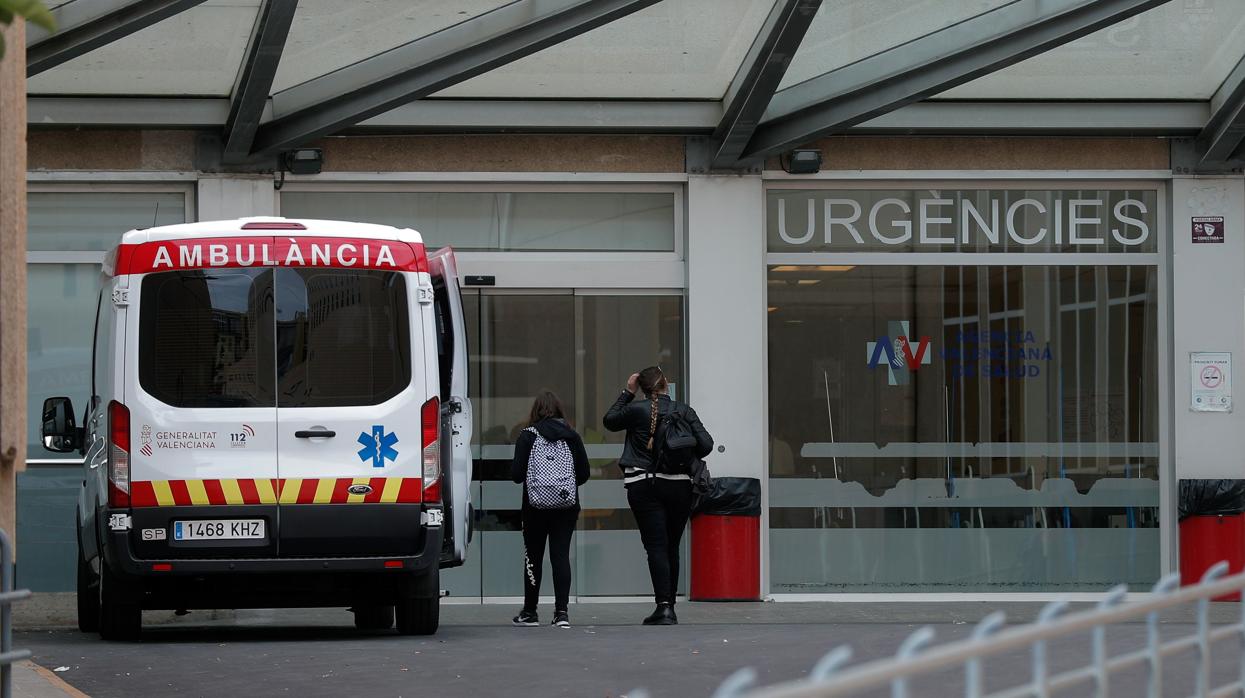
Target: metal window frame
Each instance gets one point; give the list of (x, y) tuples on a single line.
[(1160, 182), (85, 25), (1223, 138)]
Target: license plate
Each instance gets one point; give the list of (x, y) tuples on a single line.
[(219, 529)]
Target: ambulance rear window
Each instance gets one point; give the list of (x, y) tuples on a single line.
[(205, 338), (343, 337)]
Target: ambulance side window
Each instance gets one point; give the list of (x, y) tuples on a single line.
[(445, 334), (98, 352)]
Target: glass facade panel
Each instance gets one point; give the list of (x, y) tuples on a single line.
[(95, 221), (968, 220), (963, 428), (60, 316), (507, 221), (583, 348)]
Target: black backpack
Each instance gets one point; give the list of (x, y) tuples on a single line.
[(674, 445)]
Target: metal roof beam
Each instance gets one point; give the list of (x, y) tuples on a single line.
[(428, 65), (250, 94), (85, 25), (929, 65), (1223, 137), (758, 78)]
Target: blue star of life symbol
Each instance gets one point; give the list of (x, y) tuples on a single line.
[(378, 446)]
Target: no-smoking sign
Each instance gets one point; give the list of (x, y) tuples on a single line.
[(1212, 377), (1212, 381)]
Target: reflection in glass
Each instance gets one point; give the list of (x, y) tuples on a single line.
[(966, 428)]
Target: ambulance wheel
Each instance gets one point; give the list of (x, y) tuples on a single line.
[(120, 616), (373, 617), (88, 595), (419, 611)]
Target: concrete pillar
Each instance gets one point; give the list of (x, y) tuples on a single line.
[(235, 196), (12, 271), (726, 326), (1208, 297)]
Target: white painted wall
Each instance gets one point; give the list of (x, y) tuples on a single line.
[(1208, 305), (235, 196), (726, 318), (726, 329)]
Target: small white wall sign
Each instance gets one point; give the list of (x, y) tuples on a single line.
[(1212, 381)]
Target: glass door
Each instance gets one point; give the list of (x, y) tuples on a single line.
[(582, 345)]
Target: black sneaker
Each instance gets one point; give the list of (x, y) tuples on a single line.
[(664, 615), (526, 619), (561, 620)]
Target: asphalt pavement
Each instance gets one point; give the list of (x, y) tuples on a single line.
[(607, 653)]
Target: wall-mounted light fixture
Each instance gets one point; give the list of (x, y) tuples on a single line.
[(803, 162), (304, 161)]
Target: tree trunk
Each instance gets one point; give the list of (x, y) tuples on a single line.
[(12, 270)]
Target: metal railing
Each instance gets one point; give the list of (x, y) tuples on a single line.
[(8, 595), (830, 676)]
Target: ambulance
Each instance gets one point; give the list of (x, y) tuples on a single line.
[(278, 417)]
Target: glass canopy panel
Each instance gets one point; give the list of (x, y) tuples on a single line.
[(195, 53), (330, 34), (1179, 50), (846, 31), (689, 49)]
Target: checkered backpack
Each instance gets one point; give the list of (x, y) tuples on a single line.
[(550, 474)]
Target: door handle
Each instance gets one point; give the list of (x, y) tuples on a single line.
[(314, 434)]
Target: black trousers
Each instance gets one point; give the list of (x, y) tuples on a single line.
[(661, 509), (555, 525)]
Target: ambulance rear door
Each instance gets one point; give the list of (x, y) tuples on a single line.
[(456, 422), (197, 414), (353, 397)]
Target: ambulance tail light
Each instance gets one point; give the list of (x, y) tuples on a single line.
[(430, 427), (118, 454)]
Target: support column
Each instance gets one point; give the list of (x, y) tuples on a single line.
[(235, 196), (1208, 294), (726, 327), (12, 270)]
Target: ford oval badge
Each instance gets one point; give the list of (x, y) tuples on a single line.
[(359, 489)]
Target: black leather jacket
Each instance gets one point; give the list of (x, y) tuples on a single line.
[(635, 416)]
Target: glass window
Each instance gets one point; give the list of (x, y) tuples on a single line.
[(519, 221), (970, 220), (963, 428), (343, 337), (95, 221), (60, 318), (582, 347), (205, 338), (62, 297)]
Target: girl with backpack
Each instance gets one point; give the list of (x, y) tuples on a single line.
[(551, 462), (658, 490)]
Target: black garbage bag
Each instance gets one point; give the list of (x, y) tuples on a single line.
[(1211, 497), (731, 496)]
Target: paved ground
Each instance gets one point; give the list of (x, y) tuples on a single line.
[(607, 653)]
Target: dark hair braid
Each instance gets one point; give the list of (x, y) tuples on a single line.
[(652, 381)]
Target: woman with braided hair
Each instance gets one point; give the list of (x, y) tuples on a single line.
[(660, 500)]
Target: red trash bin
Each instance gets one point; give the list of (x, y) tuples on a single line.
[(1207, 539), (726, 558)]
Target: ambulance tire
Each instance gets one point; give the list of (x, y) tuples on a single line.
[(88, 595), (120, 616), (373, 617), (418, 612)]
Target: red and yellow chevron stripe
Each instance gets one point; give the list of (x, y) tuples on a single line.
[(325, 490)]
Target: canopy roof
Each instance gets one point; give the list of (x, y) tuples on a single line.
[(754, 77)]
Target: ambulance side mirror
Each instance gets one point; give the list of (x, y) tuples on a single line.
[(60, 431)]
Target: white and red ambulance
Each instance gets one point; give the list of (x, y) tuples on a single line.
[(278, 418)]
